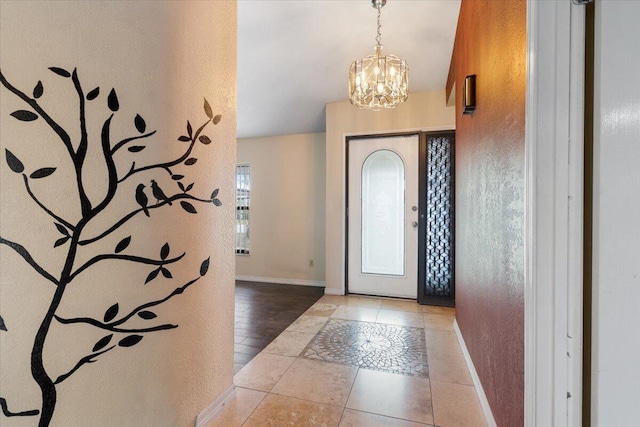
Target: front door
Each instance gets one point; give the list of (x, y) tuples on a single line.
[(382, 209)]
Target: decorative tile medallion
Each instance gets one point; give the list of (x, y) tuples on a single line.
[(376, 346)]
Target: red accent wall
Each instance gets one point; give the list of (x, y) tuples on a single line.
[(491, 43)]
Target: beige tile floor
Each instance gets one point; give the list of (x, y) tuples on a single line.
[(279, 388)]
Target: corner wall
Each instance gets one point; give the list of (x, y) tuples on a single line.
[(422, 111), (287, 216), (161, 58), (491, 43)]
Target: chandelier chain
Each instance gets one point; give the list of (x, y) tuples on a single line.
[(379, 36)]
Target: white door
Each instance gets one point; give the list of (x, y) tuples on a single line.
[(382, 216)]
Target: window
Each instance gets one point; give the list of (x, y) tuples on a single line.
[(383, 208), (243, 192)]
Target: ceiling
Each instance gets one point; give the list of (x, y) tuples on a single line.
[(294, 55)]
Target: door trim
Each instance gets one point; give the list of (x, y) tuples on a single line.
[(348, 139), (554, 213)]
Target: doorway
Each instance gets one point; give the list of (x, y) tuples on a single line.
[(400, 216)]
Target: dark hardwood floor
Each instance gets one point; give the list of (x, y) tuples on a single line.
[(263, 311)]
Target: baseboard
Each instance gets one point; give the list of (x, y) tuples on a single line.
[(300, 282), (212, 411), (491, 422), (333, 291)]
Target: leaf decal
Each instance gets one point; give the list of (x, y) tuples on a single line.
[(102, 343), (188, 207), (215, 193), (38, 90), (151, 276), (61, 241), (217, 119), (111, 312), (3, 327), (62, 229), (14, 163), (181, 186), (164, 252), (130, 341), (93, 94), (190, 161), (205, 139), (25, 115), (207, 109), (60, 71), (42, 173), (184, 138), (189, 187), (140, 123), (204, 267), (177, 177), (166, 273), (122, 245), (189, 129), (136, 148), (147, 315), (217, 202), (112, 101)]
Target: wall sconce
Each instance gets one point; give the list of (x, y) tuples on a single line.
[(469, 95)]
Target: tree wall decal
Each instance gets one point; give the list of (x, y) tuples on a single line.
[(115, 323)]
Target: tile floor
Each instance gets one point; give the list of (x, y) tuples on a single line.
[(358, 361)]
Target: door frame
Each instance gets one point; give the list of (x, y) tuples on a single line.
[(348, 139), (554, 170)]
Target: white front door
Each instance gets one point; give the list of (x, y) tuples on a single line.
[(383, 215)]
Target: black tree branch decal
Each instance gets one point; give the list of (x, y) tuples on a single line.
[(119, 332)]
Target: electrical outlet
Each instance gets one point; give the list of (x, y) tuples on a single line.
[(310, 263)]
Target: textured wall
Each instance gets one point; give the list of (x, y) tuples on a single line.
[(162, 58), (422, 111), (287, 207), (491, 43)]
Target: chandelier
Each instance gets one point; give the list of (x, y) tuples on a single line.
[(378, 81)]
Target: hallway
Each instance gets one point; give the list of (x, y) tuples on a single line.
[(359, 361)]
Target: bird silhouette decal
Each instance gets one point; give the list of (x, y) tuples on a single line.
[(158, 193), (142, 199)]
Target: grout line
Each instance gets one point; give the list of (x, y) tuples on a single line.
[(392, 417), (349, 395), (426, 347), (307, 400), (254, 409)]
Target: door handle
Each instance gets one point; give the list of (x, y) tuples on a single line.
[(414, 224)]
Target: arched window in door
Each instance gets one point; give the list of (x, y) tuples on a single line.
[(383, 214)]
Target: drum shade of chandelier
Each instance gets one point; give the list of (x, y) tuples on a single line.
[(378, 81)]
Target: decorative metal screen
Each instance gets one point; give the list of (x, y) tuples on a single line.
[(440, 219)]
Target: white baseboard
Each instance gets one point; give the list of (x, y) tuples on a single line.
[(333, 291), (491, 422), (214, 409), (300, 282)]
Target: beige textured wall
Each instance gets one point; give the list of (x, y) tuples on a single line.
[(422, 111), (287, 208), (162, 58)]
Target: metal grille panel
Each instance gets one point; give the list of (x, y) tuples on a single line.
[(440, 219)]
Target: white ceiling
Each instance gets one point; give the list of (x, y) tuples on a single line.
[(294, 55)]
